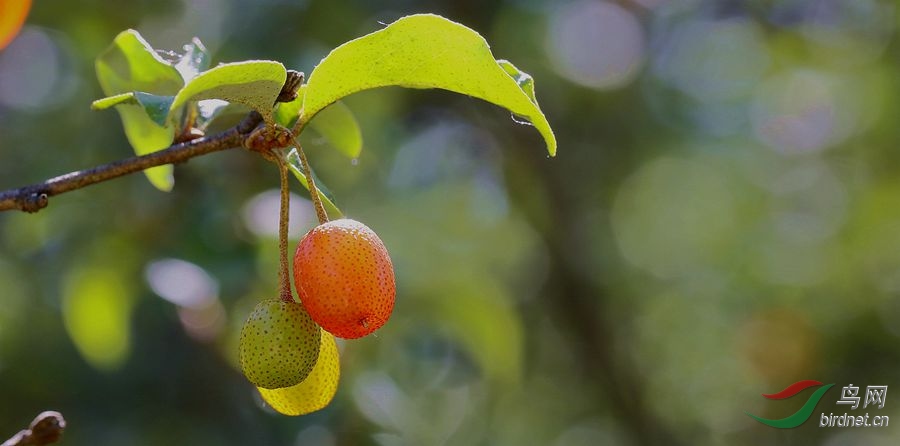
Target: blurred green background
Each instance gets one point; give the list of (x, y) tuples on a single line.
[(722, 220)]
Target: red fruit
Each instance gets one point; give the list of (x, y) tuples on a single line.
[(345, 278)]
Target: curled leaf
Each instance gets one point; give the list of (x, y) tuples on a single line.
[(424, 51), (254, 83), (130, 65)]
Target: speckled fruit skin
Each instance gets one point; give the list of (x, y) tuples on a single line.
[(279, 344), (345, 278)]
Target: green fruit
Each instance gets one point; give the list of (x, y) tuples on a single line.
[(279, 344)]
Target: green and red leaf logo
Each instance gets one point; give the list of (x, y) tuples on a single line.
[(800, 416)]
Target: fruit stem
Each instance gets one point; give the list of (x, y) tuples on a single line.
[(283, 220), (313, 190)]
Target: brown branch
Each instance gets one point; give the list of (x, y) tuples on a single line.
[(35, 197), (46, 428)]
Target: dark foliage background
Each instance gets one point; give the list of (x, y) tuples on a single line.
[(723, 219)]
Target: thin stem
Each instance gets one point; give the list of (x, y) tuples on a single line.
[(313, 190), (284, 219), (35, 197)]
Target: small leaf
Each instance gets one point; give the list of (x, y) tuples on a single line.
[(131, 65), (194, 61), (255, 84), (296, 168), (111, 101), (422, 51), (156, 107), (316, 391)]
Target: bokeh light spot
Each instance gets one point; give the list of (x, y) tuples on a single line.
[(596, 44), (180, 282), (712, 60), (795, 112), (30, 71), (261, 214), (672, 216)]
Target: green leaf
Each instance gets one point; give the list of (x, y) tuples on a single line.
[(111, 101), (146, 136), (255, 84), (336, 123), (423, 51), (296, 168), (523, 79), (131, 65), (156, 107)]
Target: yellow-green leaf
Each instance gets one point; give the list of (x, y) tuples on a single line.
[(254, 83), (337, 124), (525, 81), (316, 391), (130, 64), (422, 51), (112, 101), (146, 136), (156, 107)]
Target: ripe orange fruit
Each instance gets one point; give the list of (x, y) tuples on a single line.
[(345, 278)]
